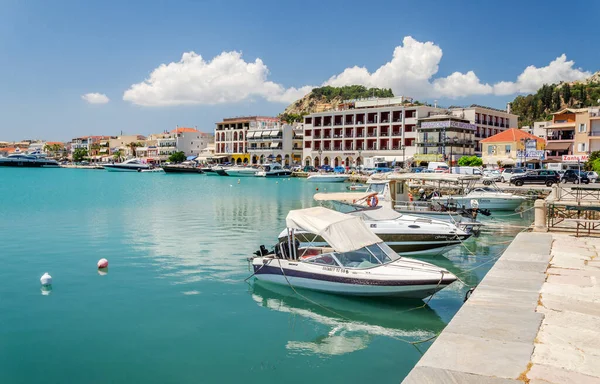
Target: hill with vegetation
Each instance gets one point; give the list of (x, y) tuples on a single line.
[(553, 97), (332, 96)]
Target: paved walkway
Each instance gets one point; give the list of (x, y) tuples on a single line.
[(534, 318)]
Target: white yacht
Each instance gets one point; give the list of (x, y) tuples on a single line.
[(483, 198), (405, 234), (273, 170), (355, 262), (239, 171), (328, 178), (32, 160), (131, 165)]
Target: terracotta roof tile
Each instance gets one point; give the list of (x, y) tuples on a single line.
[(511, 135)]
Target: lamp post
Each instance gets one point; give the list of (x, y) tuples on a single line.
[(358, 161), (320, 157), (403, 148), (524, 143), (452, 143)]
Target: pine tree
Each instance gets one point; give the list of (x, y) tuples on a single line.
[(556, 100), (566, 94)]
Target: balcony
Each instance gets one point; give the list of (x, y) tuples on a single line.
[(594, 133), (560, 137), (360, 122), (372, 134), (360, 135), (398, 133), (497, 124), (338, 123)]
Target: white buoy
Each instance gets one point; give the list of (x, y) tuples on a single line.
[(102, 263), (46, 279), (277, 182)]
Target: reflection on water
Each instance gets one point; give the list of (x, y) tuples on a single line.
[(350, 323)]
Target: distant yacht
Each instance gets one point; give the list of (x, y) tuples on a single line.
[(273, 170), (32, 160), (132, 165)]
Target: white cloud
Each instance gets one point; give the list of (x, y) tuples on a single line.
[(228, 78), (460, 85), (95, 98), (533, 78)]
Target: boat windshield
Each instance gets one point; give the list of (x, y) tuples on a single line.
[(367, 257), (379, 188)]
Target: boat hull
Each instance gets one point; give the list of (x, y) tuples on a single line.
[(346, 283), (240, 173), (491, 203), (404, 244), (327, 179), (179, 169), (29, 164), (111, 168), (273, 174)]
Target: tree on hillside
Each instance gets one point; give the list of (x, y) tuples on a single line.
[(582, 95), (177, 157), (79, 154), (470, 161), (556, 101), (566, 94)]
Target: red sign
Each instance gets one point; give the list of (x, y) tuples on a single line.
[(575, 158)]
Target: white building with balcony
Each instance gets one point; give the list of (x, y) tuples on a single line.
[(384, 128), (278, 142)]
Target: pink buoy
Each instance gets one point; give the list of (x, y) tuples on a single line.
[(102, 263)]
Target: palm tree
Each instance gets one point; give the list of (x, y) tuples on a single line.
[(117, 155), (132, 146)]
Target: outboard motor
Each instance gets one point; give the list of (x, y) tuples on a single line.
[(262, 251)]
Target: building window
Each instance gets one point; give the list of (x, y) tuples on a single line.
[(507, 149), (491, 150), (582, 128), (581, 147)]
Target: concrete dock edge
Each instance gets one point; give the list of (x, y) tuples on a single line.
[(491, 338)]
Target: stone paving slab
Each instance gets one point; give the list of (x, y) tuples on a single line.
[(477, 355), (427, 375), (544, 374)]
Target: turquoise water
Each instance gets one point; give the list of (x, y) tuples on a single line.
[(174, 307)]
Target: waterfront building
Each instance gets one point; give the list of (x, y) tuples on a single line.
[(488, 121), (190, 140), (443, 136), (570, 133), (276, 142), (230, 136), (513, 147), (123, 144), (379, 127), (537, 129)]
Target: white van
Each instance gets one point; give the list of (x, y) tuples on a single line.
[(467, 170), (438, 165)]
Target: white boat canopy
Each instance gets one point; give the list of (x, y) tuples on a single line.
[(344, 233), (449, 177), (349, 197)]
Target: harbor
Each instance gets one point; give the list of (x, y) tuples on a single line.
[(178, 249)]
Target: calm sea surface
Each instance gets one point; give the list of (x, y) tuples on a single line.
[(174, 307)]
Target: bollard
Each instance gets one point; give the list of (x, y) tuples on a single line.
[(540, 216)]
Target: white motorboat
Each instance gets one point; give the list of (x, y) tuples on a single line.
[(273, 170), (357, 262), (241, 171), (32, 160), (131, 165), (483, 198), (328, 178), (405, 234)]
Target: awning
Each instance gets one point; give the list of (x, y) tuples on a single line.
[(265, 133), (274, 145), (274, 133), (191, 157), (558, 146), (250, 134), (218, 157), (344, 233), (104, 150)]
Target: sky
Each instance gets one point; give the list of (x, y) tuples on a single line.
[(71, 68)]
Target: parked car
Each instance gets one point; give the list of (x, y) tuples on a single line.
[(593, 176), (538, 176), (492, 176), (309, 168), (574, 176), (339, 169), (510, 172), (326, 168)]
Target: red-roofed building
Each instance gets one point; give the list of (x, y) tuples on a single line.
[(513, 147)]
